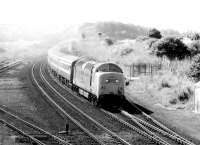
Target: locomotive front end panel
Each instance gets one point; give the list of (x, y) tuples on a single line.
[(111, 83)]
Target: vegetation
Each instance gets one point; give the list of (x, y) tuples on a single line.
[(193, 35), (154, 33), (170, 33), (114, 30), (194, 47), (171, 86), (171, 47), (194, 71), (126, 51), (109, 41)]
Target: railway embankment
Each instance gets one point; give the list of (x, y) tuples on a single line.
[(182, 121)]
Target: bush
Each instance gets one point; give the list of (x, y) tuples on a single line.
[(185, 94), (83, 36), (126, 51), (171, 47), (193, 35), (194, 71), (173, 101), (155, 33), (194, 48), (109, 41), (165, 84)]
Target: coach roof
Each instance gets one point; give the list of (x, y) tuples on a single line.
[(62, 56)]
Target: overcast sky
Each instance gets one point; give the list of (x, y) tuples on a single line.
[(181, 15)]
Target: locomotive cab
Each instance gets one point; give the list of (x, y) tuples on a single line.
[(110, 84)]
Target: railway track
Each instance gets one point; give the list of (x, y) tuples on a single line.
[(105, 134), (156, 126), (150, 135), (30, 138), (145, 132), (5, 67), (154, 130), (33, 133), (89, 138)]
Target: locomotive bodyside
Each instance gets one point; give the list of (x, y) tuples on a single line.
[(83, 75)]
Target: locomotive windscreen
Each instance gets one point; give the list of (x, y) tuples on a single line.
[(109, 67)]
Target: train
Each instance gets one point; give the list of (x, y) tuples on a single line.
[(102, 83)]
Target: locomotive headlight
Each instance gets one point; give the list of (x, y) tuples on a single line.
[(117, 81), (107, 81)]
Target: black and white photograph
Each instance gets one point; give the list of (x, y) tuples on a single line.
[(99, 72)]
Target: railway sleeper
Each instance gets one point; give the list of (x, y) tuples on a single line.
[(22, 139)]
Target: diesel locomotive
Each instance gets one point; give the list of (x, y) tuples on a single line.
[(102, 83)]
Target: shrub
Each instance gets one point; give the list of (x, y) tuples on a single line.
[(109, 41), (171, 47), (193, 35), (194, 48), (83, 36), (126, 51), (155, 33), (99, 34), (173, 101), (185, 94), (165, 84), (194, 70)]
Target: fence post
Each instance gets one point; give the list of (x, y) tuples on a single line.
[(130, 72), (67, 128), (197, 98)]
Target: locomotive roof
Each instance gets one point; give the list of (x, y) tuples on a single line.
[(109, 64)]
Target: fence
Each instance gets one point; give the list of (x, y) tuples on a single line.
[(144, 69), (148, 69), (135, 70)]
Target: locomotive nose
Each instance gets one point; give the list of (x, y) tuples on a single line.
[(112, 83), (111, 90)]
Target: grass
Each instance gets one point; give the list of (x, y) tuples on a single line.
[(172, 84)]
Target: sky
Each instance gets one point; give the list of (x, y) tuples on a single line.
[(54, 15)]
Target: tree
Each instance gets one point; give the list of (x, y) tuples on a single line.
[(171, 47), (154, 33)]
